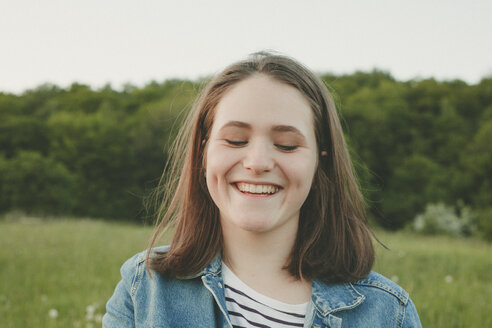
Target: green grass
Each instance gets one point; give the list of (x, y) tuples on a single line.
[(449, 280), (64, 265), (69, 265)]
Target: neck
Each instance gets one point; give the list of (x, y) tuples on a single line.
[(258, 259), (257, 254)]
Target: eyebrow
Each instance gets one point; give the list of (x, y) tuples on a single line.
[(276, 128), (237, 124)]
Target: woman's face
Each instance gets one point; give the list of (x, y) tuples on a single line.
[(261, 155)]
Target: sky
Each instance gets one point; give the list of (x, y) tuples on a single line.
[(97, 42)]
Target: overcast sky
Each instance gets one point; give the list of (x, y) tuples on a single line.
[(119, 41)]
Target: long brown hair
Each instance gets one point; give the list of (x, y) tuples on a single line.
[(333, 241)]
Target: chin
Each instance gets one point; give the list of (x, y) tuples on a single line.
[(255, 225)]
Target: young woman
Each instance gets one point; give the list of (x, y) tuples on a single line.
[(270, 227)]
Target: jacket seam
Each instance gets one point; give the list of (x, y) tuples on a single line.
[(400, 296), (137, 275), (358, 302), (359, 298), (224, 311), (401, 315)]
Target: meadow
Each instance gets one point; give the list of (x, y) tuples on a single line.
[(60, 273)]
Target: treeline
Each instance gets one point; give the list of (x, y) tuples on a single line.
[(98, 153)]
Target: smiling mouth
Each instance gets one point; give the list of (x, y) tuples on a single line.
[(256, 189)]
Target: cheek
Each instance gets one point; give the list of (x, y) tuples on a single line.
[(213, 161), (301, 172), (211, 180), (217, 164)]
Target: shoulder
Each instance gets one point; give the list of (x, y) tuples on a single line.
[(134, 268), (388, 299), (374, 301), (120, 308), (377, 282), (140, 257), (141, 295)]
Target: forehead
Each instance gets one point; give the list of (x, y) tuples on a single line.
[(262, 101)]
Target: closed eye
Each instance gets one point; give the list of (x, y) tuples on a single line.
[(286, 147), (236, 143)]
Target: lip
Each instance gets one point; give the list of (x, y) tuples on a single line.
[(257, 183), (251, 195)]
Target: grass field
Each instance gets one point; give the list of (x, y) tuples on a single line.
[(60, 273)]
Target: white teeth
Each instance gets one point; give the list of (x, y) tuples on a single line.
[(256, 189)]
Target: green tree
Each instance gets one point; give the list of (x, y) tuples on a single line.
[(23, 133), (33, 183), (416, 182), (477, 160), (96, 148)]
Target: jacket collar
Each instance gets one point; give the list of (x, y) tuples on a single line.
[(327, 298), (214, 268)]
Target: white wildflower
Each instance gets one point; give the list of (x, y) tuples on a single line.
[(90, 309), (98, 318), (53, 313), (395, 278), (448, 279)]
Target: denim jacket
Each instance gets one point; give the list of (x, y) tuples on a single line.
[(199, 301)]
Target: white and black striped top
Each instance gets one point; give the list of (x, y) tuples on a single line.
[(248, 308)]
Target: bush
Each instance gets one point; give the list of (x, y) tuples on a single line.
[(442, 219)]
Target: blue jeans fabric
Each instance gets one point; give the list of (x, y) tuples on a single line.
[(198, 301)]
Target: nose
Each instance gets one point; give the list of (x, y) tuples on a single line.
[(258, 158)]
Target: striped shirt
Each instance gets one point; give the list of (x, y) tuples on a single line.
[(248, 308)]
